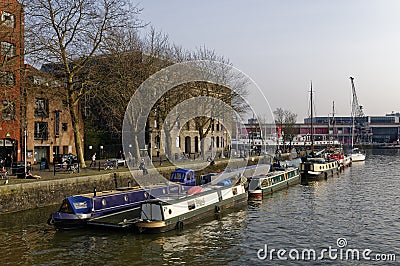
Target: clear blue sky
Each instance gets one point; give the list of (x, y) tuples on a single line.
[(283, 44)]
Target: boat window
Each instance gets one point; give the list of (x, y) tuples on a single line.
[(264, 183), (191, 205), (66, 207), (234, 191)]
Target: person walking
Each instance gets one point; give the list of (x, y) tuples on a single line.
[(142, 167), (93, 162)]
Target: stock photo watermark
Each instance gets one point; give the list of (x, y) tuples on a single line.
[(338, 252)]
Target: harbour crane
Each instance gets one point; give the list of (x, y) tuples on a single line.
[(356, 108), (358, 117)]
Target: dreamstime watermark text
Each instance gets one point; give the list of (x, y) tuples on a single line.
[(338, 252)]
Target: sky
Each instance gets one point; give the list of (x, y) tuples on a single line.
[(283, 45)]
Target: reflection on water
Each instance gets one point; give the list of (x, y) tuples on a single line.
[(359, 205)]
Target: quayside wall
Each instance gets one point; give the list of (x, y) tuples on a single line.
[(42, 193)]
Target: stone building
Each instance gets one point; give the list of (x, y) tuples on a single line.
[(215, 139)]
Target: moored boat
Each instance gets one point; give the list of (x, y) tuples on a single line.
[(357, 155), (76, 210), (315, 169), (164, 214), (344, 160), (265, 184)]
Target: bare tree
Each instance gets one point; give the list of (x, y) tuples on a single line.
[(289, 130), (286, 120), (68, 35)]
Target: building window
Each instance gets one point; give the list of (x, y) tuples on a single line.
[(41, 131), (64, 104), (41, 108), (57, 123), (7, 79), (64, 127), (7, 49), (7, 19), (8, 110)]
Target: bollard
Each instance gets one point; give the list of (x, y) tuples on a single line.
[(94, 192), (115, 180)]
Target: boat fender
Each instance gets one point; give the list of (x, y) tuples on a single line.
[(179, 225), (217, 209)]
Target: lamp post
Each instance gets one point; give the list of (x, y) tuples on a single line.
[(25, 158), (101, 152)]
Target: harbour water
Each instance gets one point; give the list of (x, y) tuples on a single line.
[(359, 210)]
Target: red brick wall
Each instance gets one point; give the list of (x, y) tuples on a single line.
[(15, 64)]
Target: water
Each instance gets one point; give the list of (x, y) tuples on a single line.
[(362, 206)]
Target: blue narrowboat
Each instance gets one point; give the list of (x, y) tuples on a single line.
[(77, 210)]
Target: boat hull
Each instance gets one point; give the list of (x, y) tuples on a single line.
[(316, 171), (357, 157), (178, 222), (76, 211), (263, 184)]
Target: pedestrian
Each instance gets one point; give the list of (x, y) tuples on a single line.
[(93, 160), (142, 167), (8, 161)]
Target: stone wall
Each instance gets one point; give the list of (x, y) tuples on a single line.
[(45, 193)]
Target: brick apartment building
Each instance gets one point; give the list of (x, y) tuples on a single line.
[(48, 123), (12, 61)]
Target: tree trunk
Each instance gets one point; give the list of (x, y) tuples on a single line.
[(76, 124), (202, 148)]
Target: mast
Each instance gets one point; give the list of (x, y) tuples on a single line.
[(353, 102), (331, 137), (312, 118), (333, 123)]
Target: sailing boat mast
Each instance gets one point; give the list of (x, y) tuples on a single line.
[(353, 102), (333, 123), (312, 118)]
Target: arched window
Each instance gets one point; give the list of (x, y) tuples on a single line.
[(187, 145)]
